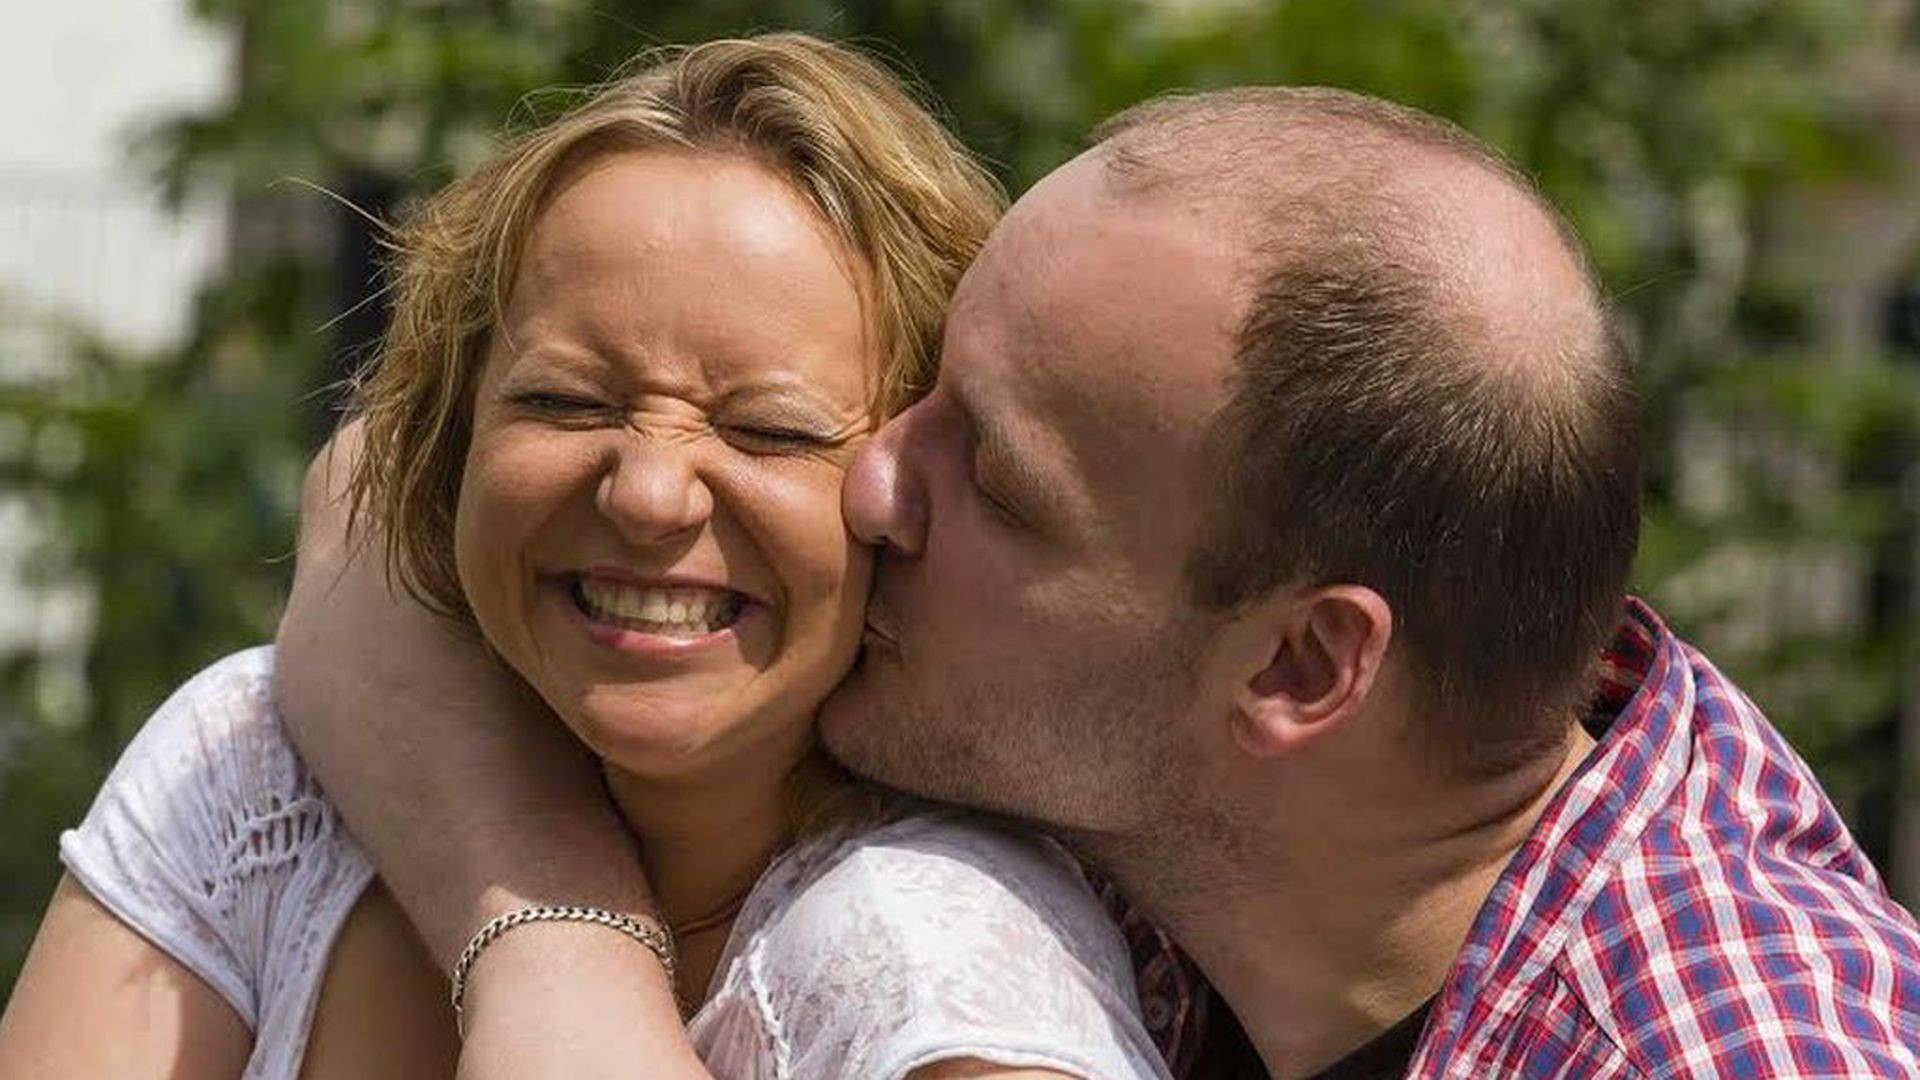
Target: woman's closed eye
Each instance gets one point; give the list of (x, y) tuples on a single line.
[(775, 438), (561, 405)]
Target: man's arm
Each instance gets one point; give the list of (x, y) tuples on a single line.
[(472, 801)]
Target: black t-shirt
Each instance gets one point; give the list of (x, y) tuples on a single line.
[(1228, 1055), (1386, 1056)]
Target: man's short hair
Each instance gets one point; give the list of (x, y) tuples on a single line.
[(1368, 435)]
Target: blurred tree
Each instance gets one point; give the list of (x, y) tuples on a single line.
[(1691, 142)]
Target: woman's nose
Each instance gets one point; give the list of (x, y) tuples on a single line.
[(883, 499), (652, 489)]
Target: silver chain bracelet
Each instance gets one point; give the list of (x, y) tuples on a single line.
[(655, 936)]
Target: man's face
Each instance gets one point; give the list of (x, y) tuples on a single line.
[(1030, 646)]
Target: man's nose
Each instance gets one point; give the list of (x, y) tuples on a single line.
[(884, 500), (652, 489)]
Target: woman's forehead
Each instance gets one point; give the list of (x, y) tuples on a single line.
[(712, 268)]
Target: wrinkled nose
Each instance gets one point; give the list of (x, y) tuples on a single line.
[(652, 490), (884, 500)]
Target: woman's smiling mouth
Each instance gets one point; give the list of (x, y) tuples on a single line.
[(679, 611)]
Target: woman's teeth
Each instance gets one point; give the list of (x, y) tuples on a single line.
[(668, 612)]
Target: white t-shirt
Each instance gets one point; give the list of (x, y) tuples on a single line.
[(856, 955)]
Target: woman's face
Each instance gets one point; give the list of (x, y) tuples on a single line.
[(649, 522)]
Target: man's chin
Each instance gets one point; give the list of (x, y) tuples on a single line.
[(847, 728), (865, 739)]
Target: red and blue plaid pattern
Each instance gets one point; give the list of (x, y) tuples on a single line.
[(1173, 995), (1689, 905)]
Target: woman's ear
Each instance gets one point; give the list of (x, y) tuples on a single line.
[(1322, 653)]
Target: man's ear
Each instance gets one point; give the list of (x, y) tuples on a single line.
[(1322, 651)]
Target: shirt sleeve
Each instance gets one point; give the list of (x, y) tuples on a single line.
[(175, 840), (938, 939)]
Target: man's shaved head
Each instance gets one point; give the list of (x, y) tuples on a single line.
[(1311, 173), (1428, 398)]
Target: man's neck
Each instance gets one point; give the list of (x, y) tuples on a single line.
[(1352, 922)]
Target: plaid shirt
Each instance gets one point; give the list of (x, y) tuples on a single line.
[(1689, 905)]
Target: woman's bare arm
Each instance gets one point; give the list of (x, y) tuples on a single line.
[(97, 1000)]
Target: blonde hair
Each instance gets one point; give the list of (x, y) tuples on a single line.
[(893, 184)]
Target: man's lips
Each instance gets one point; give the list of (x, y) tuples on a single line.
[(878, 630)]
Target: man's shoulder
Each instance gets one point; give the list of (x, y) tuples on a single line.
[(1774, 972), (1755, 979), (1693, 897), (1726, 933)]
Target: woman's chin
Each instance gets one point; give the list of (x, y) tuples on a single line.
[(680, 745), (659, 745)]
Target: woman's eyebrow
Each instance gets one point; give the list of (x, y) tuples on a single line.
[(566, 359), (790, 396)]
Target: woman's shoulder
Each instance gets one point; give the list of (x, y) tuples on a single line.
[(226, 707), (214, 753), (928, 869), (937, 936), (210, 838)]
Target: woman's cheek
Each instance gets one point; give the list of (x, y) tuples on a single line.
[(843, 568), (512, 483)]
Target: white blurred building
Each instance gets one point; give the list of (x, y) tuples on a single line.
[(82, 237)]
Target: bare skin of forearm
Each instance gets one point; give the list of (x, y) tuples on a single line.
[(551, 999)]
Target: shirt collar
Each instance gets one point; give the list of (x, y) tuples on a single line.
[(1642, 715)]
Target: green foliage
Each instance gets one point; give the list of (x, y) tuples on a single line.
[(167, 487), (1674, 134)]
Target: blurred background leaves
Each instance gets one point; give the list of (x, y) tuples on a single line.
[(1743, 171)]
